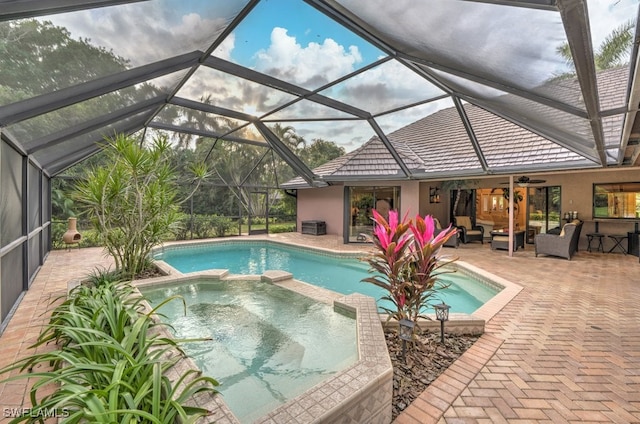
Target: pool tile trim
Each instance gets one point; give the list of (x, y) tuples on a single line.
[(203, 244)]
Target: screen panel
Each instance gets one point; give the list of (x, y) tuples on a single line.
[(33, 178), (10, 195), (34, 255), (11, 282)]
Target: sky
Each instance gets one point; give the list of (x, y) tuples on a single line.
[(290, 40)]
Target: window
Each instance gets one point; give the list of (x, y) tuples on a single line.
[(616, 200)]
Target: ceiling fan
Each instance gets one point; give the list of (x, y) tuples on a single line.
[(525, 181)]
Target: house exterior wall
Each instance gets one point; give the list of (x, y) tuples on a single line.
[(327, 203), (577, 195), (322, 204), (437, 210)]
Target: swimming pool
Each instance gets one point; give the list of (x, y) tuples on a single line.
[(269, 344), (342, 274)]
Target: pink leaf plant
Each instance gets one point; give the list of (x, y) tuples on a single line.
[(406, 262)]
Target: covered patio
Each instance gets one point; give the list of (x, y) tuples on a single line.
[(565, 349)]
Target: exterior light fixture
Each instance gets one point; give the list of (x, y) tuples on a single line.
[(406, 333), (442, 315)]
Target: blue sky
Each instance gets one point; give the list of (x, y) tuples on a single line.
[(301, 21)]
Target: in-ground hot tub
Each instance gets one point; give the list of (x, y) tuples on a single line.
[(280, 355)]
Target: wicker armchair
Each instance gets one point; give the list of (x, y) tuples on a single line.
[(454, 241), (564, 245), (468, 231)]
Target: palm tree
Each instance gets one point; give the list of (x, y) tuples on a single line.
[(289, 137), (613, 51), (202, 121)]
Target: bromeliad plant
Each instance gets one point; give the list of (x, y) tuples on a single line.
[(407, 261)]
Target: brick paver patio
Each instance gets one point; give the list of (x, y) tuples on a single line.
[(565, 349)]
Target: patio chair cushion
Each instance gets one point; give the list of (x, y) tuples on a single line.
[(464, 221), (468, 232)]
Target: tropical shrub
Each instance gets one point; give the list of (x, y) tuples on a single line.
[(407, 263), (57, 231), (131, 199), (258, 220), (221, 225), (200, 226), (181, 227), (282, 228)]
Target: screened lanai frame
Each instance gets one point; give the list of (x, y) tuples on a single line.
[(460, 70), (442, 71)]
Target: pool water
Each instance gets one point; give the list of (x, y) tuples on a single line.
[(342, 275), (269, 344)]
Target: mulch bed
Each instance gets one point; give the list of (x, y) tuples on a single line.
[(426, 358)]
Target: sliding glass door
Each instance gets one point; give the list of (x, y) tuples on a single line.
[(361, 201), (543, 206)]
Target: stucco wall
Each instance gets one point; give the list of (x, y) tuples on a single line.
[(577, 195), (327, 203), (323, 204), (437, 210), (576, 192), (409, 197)]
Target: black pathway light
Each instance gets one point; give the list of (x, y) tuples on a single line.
[(442, 315)]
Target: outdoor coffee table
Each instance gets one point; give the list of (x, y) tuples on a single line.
[(500, 240)]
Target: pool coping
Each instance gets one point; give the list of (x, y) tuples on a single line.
[(368, 382)]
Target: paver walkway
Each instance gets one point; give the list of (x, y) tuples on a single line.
[(566, 349)]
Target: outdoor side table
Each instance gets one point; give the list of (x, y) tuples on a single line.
[(597, 239), (617, 240)]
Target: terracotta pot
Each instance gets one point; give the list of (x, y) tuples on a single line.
[(72, 235)]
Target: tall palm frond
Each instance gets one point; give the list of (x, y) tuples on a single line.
[(612, 52)]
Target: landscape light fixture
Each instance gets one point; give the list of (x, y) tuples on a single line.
[(406, 333), (442, 315)]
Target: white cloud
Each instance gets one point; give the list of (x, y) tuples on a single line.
[(607, 15), (310, 66), (225, 49), (140, 32)]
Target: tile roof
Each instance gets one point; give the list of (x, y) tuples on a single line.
[(439, 144)]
